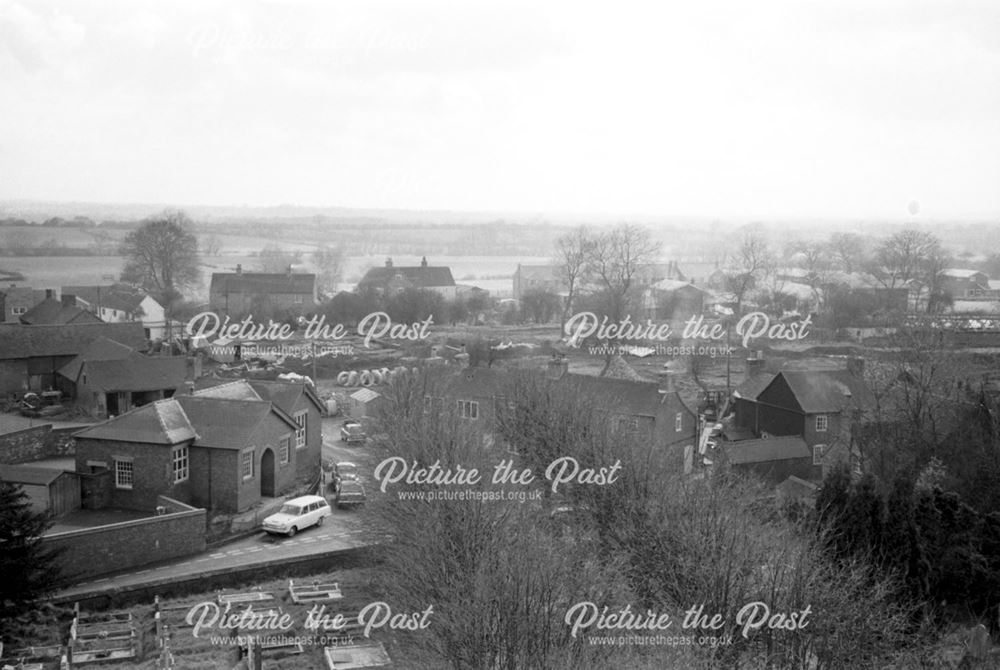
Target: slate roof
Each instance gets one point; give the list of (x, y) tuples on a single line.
[(22, 341), (619, 396), (827, 390), (114, 296), (263, 283), (284, 394), (52, 312), (752, 387), (668, 285), (230, 390), (219, 423), (137, 373), (26, 474), (766, 449), (160, 422), (101, 349), (960, 273), (476, 382), (419, 276)]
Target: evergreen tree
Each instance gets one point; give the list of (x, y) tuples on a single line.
[(28, 568)]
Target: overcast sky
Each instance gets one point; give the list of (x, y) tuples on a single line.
[(750, 109)]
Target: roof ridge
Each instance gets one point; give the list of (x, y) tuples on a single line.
[(187, 419)]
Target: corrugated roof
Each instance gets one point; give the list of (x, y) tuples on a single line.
[(365, 395), (263, 283), (101, 349), (137, 373), (25, 474), (766, 449), (22, 341)]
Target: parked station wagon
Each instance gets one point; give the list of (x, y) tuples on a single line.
[(297, 514)]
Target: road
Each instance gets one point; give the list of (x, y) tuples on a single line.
[(343, 530)]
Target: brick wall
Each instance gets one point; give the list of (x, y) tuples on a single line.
[(24, 446), (122, 546)]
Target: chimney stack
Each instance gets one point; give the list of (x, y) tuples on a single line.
[(388, 262), (666, 382), (239, 269), (48, 294), (755, 364), (423, 262), (557, 367), (288, 273)]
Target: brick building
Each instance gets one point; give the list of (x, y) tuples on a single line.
[(262, 294), (395, 278), (222, 454)]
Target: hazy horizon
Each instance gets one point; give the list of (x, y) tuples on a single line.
[(779, 111)]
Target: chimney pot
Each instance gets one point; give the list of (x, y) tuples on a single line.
[(48, 293), (239, 269), (666, 382), (388, 262), (423, 262)]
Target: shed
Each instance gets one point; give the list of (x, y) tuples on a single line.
[(363, 402), (52, 490)]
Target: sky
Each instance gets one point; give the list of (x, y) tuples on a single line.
[(772, 108)]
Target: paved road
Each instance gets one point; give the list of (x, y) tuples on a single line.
[(343, 530)]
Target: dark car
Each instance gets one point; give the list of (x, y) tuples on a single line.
[(352, 431), (350, 493), (344, 471)]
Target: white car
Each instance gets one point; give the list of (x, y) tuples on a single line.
[(297, 514)]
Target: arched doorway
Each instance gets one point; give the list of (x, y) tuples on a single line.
[(267, 474)]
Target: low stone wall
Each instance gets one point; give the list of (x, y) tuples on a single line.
[(117, 547)]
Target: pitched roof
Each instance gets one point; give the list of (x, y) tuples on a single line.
[(619, 396), (224, 423), (826, 390), (160, 422), (752, 386), (115, 296), (668, 285), (101, 349), (52, 312), (26, 474), (220, 423), (23, 341), (231, 390), (960, 273), (137, 373), (419, 276), (766, 449), (263, 283)]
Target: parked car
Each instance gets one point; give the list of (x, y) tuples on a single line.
[(344, 471), (351, 493), (298, 514), (352, 431)]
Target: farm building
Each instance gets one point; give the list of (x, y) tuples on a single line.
[(119, 302), (50, 490), (262, 294), (395, 278)]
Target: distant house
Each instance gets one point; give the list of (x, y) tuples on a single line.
[(963, 284), (49, 490), (109, 378), (15, 301), (31, 356), (53, 312), (651, 413), (296, 399), (547, 278), (819, 406), (225, 455), (391, 279), (117, 303), (242, 292), (673, 299)]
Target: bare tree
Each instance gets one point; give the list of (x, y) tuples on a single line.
[(847, 251), (615, 258), (162, 255), (752, 262), (276, 259), (572, 251), (329, 262)]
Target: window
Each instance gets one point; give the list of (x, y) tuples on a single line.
[(679, 422), (283, 449), (18, 311), (818, 450), (300, 432), (247, 464), (180, 458), (468, 409), (821, 423), (298, 300), (124, 474)]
